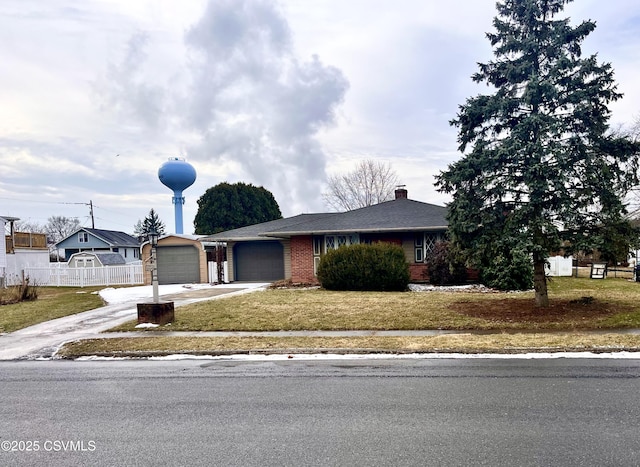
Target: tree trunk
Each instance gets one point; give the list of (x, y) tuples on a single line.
[(540, 283)]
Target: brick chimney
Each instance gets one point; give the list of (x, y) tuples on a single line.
[(401, 192)]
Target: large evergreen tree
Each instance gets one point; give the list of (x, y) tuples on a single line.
[(540, 168), (230, 206)]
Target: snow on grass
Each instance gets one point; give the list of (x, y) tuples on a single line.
[(113, 295), (147, 325), (381, 356)]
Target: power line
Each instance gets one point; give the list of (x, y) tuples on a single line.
[(38, 201)]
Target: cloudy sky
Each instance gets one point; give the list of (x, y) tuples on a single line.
[(96, 95)]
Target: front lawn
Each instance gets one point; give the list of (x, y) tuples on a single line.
[(52, 303), (576, 304)]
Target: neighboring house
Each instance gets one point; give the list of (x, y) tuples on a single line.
[(100, 241), (20, 250), (95, 260), (4, 220), (182, 259), (291, 248)]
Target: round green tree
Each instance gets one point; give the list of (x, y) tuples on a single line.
[(230, 206)]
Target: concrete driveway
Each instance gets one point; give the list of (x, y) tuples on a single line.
[(42, 340)]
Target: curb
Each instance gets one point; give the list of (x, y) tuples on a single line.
[(345, 351)]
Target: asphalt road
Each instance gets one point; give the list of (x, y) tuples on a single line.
[(567, 412)]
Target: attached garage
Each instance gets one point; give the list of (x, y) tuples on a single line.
[(179, 264), (261, 261)]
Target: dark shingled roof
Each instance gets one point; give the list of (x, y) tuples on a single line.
[(391, 216), (110, 259), (256, 231), (114, 238)]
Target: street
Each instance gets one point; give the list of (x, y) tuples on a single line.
[(349, 412)]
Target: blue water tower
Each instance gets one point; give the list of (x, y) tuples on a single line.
[(178, 175)]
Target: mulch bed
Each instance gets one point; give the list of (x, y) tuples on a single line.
[(525, 310)]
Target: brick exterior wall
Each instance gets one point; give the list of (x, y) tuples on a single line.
[(302, 260), (418, 272)]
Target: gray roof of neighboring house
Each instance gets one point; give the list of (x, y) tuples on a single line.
[(110, 259), (107, 258), (114, 237), (391, 216)]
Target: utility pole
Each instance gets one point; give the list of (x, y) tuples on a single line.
[(93, 224)]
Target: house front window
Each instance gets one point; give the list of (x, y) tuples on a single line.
[(331, 242), (424, 244), (418, 247), (317, 246), (430, 240), (317, 251), (83, 237)]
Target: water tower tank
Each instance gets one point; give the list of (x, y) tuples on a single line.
[(178, 175)]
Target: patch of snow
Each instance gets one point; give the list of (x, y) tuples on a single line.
[(380, 356), (119, 295), (426, 356), (147, 325), (459, 288), (449, 288)]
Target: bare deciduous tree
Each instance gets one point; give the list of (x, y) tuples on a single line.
[(28, 226), (633, 199), (59, 227), (371, 182)]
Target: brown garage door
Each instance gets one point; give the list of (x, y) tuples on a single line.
[(259, 261), (178, 264)]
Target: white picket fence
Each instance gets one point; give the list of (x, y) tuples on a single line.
[(63, 276)]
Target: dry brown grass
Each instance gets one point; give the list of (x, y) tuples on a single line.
[(51, 303), (517, 325), (576, 304), (460, 343)]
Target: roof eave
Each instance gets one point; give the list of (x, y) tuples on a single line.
[(235, 239), (339, 231)]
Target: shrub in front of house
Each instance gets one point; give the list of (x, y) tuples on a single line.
[(374, 267), (510, 269), (444, 267)]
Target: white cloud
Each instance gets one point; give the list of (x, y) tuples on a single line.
[(264, 92)]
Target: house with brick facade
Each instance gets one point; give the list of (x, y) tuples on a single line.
[(291, 248)]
